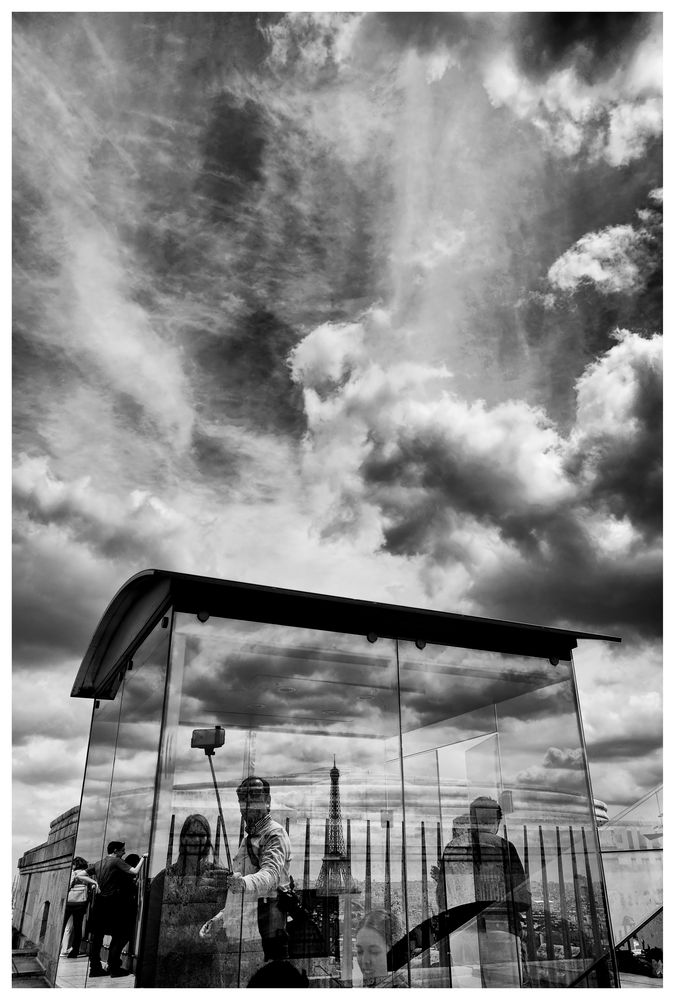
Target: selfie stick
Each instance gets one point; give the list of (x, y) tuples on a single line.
[(207, 740), (209, 754)]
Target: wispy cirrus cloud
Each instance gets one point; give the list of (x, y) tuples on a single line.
[(329, 301)]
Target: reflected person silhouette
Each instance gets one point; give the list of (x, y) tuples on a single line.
[(457, 887), (180, 898), (480, 865), (260, 868), (278, 975)]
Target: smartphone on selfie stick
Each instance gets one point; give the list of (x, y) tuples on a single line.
[(208, 740)]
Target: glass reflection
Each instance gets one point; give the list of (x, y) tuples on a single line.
[(117, 806), (182, 897), (307, 796), (632, 851), (492, 753), (341, 813)]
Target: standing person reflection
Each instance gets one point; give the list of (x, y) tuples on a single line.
[(181, 897), (260, 867), (375, 935), (480, 865)]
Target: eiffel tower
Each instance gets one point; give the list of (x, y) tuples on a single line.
[(335, 876)]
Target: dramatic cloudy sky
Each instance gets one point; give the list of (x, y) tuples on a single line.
[(363, 304)]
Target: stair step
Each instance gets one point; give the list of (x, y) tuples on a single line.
[(26, 965)]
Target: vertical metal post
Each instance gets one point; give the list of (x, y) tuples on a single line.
[(305, 872), (348, 961), (529, 920), (387, 869), (548, 930), (444, 942), (426, 943), (369, 885), (577, 898), (564, 919), (169, 849), (591, 898)]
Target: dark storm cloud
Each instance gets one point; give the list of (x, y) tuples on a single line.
[(250, 371), (595, 42), (233, 150), (627, 480), (63, 719), (53, 615), (571, 584), (628, 746)]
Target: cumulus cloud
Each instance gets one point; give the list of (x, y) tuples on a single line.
[(616, 445), (615, 259), (611, 115), (570, 758), (547, 776), (605, 258), (500, 488)]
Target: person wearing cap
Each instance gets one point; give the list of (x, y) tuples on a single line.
[(109, 916), (260, 867)]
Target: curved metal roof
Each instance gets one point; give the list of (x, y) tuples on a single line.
[(146, 597)]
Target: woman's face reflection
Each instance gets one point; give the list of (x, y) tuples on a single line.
[(194, 840), (371, 954)]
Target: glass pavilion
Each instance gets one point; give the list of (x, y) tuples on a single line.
[(376, 727)]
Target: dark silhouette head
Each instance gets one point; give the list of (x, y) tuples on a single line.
[(277, 974), (486, 814), (79, 864)]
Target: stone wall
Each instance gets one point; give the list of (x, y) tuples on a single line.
[(39, 902)]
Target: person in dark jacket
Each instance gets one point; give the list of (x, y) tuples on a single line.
[(110, 912)]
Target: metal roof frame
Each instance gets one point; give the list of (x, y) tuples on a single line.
[(146, 597)]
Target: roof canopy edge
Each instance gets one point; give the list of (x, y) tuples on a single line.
[(146, 597)]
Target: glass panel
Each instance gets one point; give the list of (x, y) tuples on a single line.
[(315, 714), (90, 834), (632, 854), (514, 879), (641, 954), (117, 803)]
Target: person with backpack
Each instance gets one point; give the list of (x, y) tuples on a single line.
[(80, 889)]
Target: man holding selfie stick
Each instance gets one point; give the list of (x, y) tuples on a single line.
[(260, 867)]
